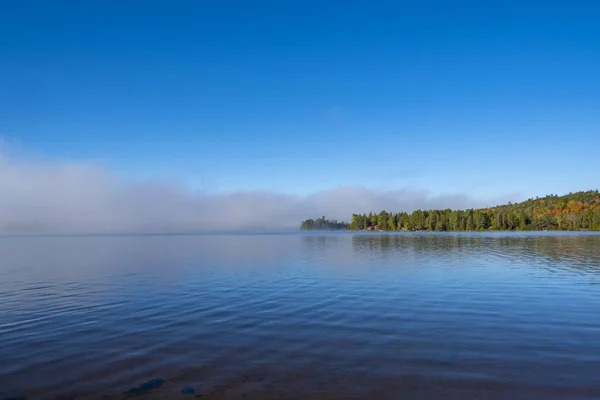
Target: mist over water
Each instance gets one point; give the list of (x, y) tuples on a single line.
[(44, 197), (424, 315)]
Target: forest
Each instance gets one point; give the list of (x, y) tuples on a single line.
[(323, 224), (571, 212)]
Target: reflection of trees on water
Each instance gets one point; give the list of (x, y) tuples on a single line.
[(383, 244), (553, 251), (320, 245)]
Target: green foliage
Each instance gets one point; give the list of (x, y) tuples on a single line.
[(575, 211), (323, 224)]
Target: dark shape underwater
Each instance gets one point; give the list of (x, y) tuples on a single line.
[(145, 387)]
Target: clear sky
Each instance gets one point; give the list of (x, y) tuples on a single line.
[(474, 97)]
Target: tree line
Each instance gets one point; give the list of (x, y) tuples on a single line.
[(323, 224), (575, 211)]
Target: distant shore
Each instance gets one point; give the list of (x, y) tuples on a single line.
[(572, 212)]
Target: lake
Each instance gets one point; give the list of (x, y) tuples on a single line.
[(301, 316)]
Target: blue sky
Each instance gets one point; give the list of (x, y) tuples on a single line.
[(484, 98)]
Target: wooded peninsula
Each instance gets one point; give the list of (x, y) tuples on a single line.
[(571, 212)]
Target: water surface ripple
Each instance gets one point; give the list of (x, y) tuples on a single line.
[(311, 316)]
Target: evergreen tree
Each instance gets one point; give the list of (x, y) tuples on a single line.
[(574, 211)]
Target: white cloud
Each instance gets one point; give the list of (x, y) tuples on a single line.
[(50, 197)]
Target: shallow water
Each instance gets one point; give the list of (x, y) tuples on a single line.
[(311, 316)]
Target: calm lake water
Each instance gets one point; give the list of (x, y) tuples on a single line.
[(302, 316)]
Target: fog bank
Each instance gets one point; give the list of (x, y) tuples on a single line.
[(40, 197)]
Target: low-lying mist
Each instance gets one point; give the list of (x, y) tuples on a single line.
[(41, 197)]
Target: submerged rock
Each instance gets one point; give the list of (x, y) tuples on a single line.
[(145, 387), (188, 390)]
